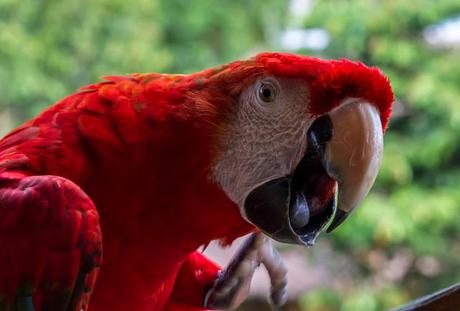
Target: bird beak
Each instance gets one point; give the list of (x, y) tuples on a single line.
[(353, 155), (342, 160)]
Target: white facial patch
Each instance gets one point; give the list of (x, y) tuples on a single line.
[(264, 140)]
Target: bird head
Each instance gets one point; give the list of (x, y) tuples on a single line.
[(299, 139)]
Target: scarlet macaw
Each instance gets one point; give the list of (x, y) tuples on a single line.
[(146, 168)]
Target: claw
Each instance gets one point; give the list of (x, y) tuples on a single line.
[(277, 271), (232, 286)]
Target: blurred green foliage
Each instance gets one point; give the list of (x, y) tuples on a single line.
[(49, 48)]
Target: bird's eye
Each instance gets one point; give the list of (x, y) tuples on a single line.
[(267, 92)]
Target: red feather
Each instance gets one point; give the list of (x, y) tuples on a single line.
[(140, 147)]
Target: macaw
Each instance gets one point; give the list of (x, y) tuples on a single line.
[(107, 195)]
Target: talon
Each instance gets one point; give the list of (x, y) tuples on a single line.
[(277, 271), (232, 286)]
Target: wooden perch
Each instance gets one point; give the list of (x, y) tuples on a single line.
[(447, 299)]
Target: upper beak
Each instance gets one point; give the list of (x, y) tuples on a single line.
[(353, 155), (343, 157)]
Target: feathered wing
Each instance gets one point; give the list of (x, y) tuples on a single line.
[(50, 244)]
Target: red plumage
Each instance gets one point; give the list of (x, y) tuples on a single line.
[(140, 148)]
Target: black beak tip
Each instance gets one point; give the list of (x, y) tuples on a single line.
[(339, 217)]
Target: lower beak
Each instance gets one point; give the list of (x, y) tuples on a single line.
[(344, 155)]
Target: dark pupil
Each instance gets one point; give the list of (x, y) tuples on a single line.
[(267, 93)]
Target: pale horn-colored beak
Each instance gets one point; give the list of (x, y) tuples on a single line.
[(354, 154)]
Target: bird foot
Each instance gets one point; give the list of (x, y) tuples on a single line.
[(231, 287)]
